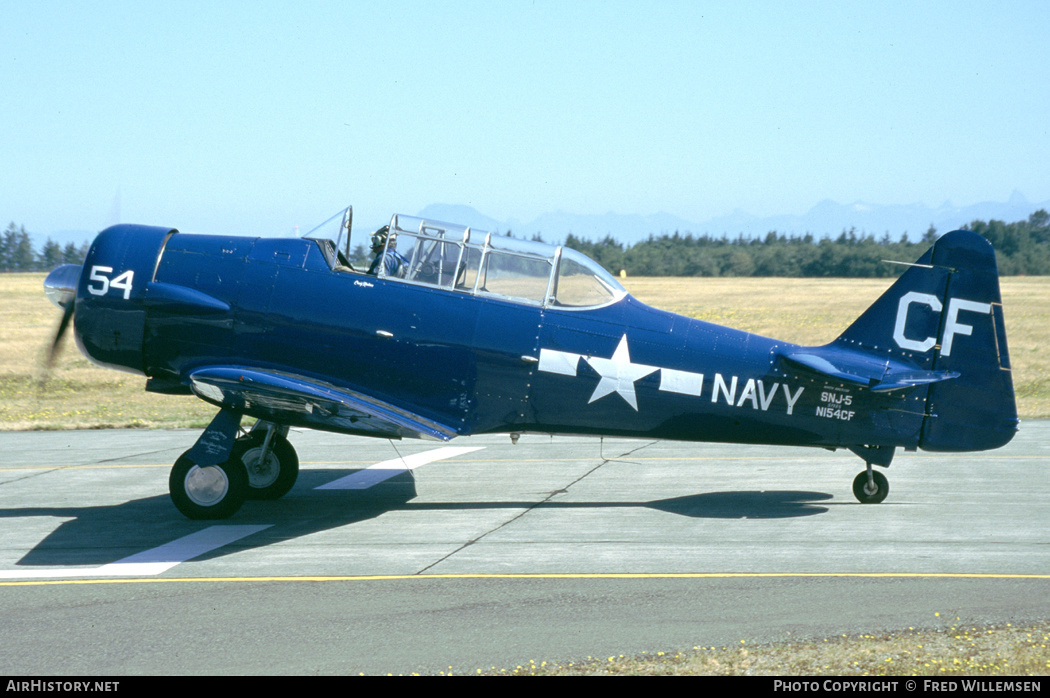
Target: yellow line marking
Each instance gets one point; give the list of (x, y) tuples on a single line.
[(596, 575)]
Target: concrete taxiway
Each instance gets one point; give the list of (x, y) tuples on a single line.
[(415, 556)]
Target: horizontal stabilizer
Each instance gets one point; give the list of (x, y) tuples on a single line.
[(291, 399), (858, 369)]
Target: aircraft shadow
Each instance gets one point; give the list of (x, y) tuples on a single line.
[(105, 534), (776, 504)]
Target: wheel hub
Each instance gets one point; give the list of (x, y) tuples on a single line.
[(261, 472), (206, 486)]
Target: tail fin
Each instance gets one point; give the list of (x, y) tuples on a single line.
[(945, 315)]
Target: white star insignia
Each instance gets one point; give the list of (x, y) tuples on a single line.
[(618, 374)]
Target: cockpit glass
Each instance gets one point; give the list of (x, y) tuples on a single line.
[(582, 282), (336, 229), (515, 276), (456, 257)]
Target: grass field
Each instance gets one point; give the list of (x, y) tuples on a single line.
[(80, 395)]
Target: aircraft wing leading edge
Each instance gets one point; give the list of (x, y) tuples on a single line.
[(292, 399)]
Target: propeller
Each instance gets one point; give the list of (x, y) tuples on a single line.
[(60, 286)]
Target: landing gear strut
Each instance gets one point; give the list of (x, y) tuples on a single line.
[(871, 486)]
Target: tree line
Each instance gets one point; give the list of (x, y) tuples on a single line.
[(1022, 247), (17, 253)]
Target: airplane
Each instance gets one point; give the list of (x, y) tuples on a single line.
[(477, 333)]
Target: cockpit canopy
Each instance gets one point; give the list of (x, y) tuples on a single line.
[(460, 258)]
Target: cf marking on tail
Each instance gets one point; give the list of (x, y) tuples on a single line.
[(952, 326)]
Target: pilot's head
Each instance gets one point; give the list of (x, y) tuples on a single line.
[(379, 238)]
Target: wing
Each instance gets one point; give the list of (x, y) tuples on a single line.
[(287, 398)]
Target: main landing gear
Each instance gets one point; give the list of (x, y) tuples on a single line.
[(269, 460), (871, 486), (212, 482)]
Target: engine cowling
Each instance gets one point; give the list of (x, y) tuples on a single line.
[(110, 309)]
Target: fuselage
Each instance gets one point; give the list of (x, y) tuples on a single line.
[(474, 362)]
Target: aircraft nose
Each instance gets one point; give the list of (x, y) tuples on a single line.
[(60, 286)]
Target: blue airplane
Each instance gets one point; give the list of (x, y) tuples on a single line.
[(459, 331)]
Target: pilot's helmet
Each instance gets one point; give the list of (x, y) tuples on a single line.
[(379, 238)]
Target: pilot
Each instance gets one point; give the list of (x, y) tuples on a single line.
[(391, 260)]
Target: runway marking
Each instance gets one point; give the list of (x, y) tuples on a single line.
[(152, 561), (551, 575), (374, 474)]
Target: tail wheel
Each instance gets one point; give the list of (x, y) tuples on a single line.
[(270, 477), (210, 492), (870, 492)]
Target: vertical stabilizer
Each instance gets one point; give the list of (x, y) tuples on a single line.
[(945, 315)]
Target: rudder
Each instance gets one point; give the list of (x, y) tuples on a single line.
[(976, 411)]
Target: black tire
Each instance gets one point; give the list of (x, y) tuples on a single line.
[(273, 481), (860, 487), (214, 492)]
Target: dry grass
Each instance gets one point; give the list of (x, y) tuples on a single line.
[(958, 651), (803, 311), (807, 311), (79, 395)]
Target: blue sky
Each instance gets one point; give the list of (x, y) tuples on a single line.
[(255, 117)]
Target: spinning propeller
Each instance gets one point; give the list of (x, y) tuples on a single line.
[(60, 286)]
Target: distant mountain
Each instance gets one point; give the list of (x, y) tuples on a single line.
[(556, 226), (463, 215), (627, 228), (829, 218), (826, 219)]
